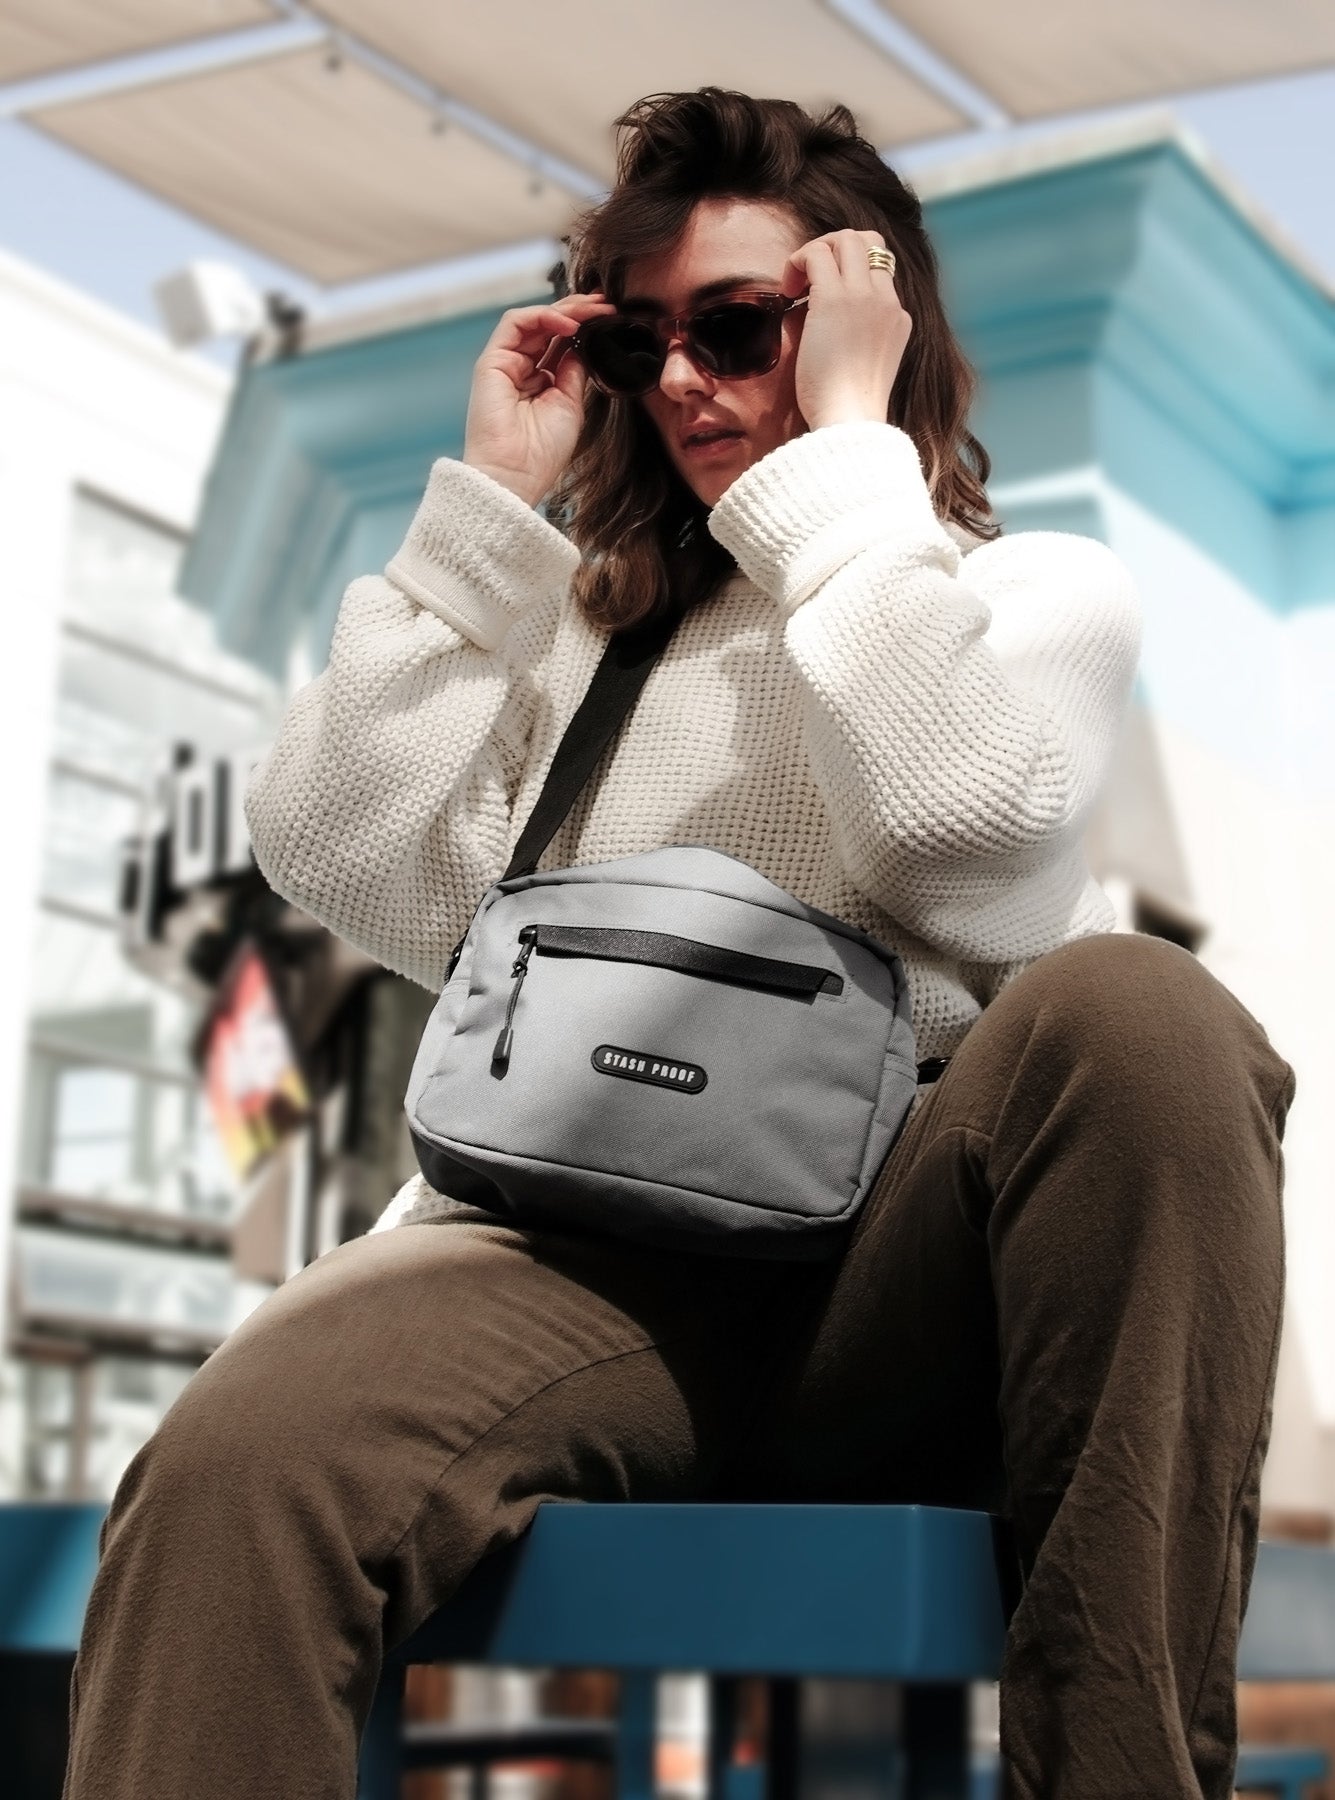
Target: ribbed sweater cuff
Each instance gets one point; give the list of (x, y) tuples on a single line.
[(477, 555), (802, 511)]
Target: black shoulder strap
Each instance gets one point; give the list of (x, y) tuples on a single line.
[(621, 673)]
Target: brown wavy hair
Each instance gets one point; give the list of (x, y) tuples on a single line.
[(643, 533)]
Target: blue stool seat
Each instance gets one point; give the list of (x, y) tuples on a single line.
[(907, 1592), (1280, 1769), (48, 1558), (1285, 1770), (903, 1594)]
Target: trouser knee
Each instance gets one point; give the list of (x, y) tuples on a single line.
[(212, 1453), (1153, 1034)]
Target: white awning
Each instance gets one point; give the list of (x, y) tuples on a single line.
[(1037, 58), (437, 131), (337, 173), (38, 37), (561, 75)]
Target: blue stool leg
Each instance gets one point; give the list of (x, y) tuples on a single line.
[(722, 1736), (380, 1761), (936, 1741), (637, 1735), (984, 1774), (725, 1778), (851, 1740), (783, 1744)]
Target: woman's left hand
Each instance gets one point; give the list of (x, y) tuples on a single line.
[(854, 329)]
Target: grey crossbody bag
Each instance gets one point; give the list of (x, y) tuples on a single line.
[(668, 1047)]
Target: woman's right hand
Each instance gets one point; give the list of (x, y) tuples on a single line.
[(523, 423)]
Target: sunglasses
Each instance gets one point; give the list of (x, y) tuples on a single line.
[(729, 339)]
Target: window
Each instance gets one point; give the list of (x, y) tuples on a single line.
[(122, 566)]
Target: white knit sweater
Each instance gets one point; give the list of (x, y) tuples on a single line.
[(903, 734)]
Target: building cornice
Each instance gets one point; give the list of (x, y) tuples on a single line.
[(1120, 309)]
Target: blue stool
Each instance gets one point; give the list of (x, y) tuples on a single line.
[(905, 1595), (48, 1558), (1284, 1770)]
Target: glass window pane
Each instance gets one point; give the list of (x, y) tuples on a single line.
[(130, 1396), (48, 1425), (165, 706), (64, 1274), (95, 1106), (121, 584), (115, 1135), (119, 562), (93, 1131), (83, 733), (86, 824), (91, 1127), (80, 983)]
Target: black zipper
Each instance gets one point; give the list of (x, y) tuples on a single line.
[(660, 950), (500, 1056)]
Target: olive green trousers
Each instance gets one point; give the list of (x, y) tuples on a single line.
[(1062, 1301)]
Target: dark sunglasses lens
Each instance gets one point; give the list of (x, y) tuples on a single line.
[(737, 339), (626, 357)]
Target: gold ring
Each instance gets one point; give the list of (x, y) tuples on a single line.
[(877, 258)]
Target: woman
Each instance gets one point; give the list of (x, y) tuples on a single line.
[(1062, 1301)]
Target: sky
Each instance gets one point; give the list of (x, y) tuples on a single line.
[(1276, 138)]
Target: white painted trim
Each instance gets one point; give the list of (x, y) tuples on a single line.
[(1101, 138), (1087, 482), (478, 285), (81, 309)]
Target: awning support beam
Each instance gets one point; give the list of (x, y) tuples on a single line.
[(299, 29), (894, 39)]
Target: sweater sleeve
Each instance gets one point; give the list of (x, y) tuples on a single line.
[(961, 712), (383, 806)]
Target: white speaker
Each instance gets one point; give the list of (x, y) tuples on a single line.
[(208, 300)]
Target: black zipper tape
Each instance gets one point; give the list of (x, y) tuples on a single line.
[(663, 951)]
